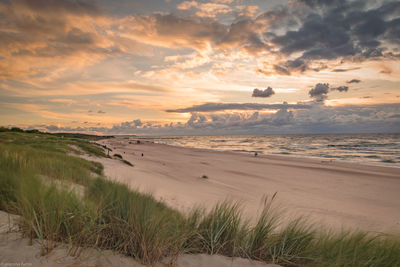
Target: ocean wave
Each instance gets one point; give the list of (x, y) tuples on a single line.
[(374, 148)]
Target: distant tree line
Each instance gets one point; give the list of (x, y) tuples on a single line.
[(17, 129), (71, 135)]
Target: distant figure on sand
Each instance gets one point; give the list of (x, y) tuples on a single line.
[(255, 154), (142, 154)]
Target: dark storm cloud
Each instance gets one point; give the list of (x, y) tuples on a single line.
[(340, 88), (393, 32), (344, 70), (289, 66), (319, 92), (243, 33), (278, 17), (317, 38), (281, 70), (328, 30), (313, 3), (263, 93), (354, 81), (211, 107)]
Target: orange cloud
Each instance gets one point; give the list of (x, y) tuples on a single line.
[(171, 31), (207, 10), (211, 10), (186, 5), (223, 1), (40, 36), (247, 11)]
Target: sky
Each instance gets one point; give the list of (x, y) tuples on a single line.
[(172, 67)]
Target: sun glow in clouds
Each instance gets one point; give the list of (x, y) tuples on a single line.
[(127, 68)]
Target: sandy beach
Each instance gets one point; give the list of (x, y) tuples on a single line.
[(332, 194)]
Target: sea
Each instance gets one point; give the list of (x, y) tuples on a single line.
[(380, 149)]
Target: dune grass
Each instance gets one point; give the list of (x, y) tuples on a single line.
[(122, 159), (111, 216), (46, 142), (127, 162), (48, 155), (222, 230)]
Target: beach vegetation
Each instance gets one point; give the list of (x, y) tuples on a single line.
[(37, 169), (221, 230), (127, 162), (16, 129), (123, 160)]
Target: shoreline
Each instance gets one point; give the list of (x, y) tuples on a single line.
[(298, 158), (261, 154), (355, 159), (283, 156), (336, 194)]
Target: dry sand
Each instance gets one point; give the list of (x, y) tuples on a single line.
[(335, 194)]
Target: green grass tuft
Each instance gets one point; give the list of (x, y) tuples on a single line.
[(222, 230), (118, 156), (127, 162)]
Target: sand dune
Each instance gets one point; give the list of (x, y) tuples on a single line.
[(336, 194), (16, 251)]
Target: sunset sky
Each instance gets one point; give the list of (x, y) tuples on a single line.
[(169, 67)]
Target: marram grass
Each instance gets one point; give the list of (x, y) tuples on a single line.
[(111, 216)]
